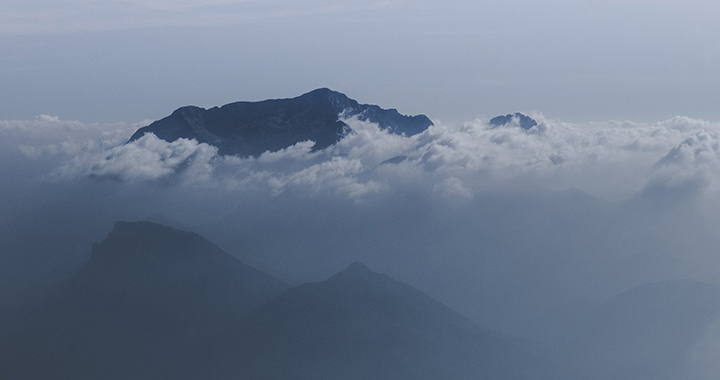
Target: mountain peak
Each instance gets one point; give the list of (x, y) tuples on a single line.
[(523, 121), (252, 128), (358, 267), (142, 225), (142, 237), (160, 262), (137, 252), (148, 294), (360, 324), (324, 91)]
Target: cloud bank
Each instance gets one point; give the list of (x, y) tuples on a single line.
[(612, 160), (495, 222)]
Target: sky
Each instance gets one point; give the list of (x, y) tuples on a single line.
[(577, 61)]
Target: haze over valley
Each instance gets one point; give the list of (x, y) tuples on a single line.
[(367, 190), (537, 241)]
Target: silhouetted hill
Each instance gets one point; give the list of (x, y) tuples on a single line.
[(363, 325), (148, 293), (523, 121), (251, 128), (159, 218)]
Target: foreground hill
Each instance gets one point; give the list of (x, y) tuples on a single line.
[(153, 302), (363, 325), (251, 128), (148, 293)]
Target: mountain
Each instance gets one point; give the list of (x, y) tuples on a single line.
[(360, 324), (159, 218), (251, 128), (147, 294), (522, 121), (653, 331)]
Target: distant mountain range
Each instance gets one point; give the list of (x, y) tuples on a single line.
[(252, 128), (153, 302)]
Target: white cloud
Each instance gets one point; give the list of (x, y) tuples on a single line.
[(298, 151), (30, 151), (435, 203), (148, 158), (454, 188), (613, 160), (692, 165), (338, 173)]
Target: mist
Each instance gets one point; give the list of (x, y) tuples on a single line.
[(524, 232)]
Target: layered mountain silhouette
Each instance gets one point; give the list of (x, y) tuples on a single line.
[(251, 128), (153, 302), (360, 324), (523, 121), (147, 294)]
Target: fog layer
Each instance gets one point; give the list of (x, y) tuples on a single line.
[(525, 232)]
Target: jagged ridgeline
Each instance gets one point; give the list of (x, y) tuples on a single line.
[(523, 121), (251, 128)]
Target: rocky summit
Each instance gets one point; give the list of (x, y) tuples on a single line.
[(252, 128), (523, 121)]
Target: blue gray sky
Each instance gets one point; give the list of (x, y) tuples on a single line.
[(512, 228), (128, 60)]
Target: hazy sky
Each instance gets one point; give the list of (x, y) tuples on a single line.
[(516, 229), (130, 60)]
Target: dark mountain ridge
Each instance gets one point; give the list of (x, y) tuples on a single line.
[(153, 302), (359, 324), (147, 294), (523, 121), (252, 128)]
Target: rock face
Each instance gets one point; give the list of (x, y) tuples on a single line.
[(251, 128), (523, 121), (147, 294), (363, 325)]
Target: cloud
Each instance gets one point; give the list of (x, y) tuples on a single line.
[(613, 160), (30, 151), (454, 188), (461, 210), (690, 167), (146, 159)]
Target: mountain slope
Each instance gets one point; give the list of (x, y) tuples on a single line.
[(251, 128), (648, 332), (147, 294), (363, 325)]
